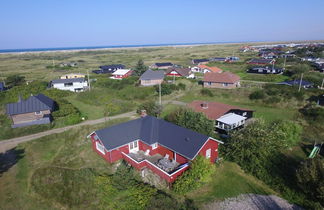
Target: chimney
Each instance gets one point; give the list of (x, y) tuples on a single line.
[(143, 113), (204, 105)]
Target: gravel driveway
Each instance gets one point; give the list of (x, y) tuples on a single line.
[(252, 202)]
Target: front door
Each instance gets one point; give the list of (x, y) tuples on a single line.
[(133, 146)]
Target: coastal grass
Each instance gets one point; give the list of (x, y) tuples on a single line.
[(228, 180), (60, 171)]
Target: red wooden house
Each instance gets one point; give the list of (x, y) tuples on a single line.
[(179, 72), (149, 142), (121, 74)]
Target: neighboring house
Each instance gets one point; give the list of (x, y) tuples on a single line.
[(268, 55), (256, 61), (200, 61), (109, 69), (150, 77), (264, 70), (320, 100), (121, 74), (226, 80), (68, 64), (162, 65), (73, 75), (310, 59), (222, 59), (305, 84), (232, 58), (148, 142), (226, 117), (180, 72), (2, 87), (74, 85), (204, 69), (33, 111)]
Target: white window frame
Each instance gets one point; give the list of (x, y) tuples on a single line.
[(208, 153), (100, 148), (154, 146), (133, 146)]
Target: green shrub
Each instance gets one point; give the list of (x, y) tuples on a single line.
[(181, 86), (150, 107), (310, 177), (200, 170), (258, 94), (206, 92)]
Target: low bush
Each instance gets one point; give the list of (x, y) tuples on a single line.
[(199, 172), (258, 94), (206, 92)]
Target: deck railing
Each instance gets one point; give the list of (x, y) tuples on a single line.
[(165, 175)]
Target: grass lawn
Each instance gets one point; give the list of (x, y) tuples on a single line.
[(228, 181), (240, 97), (67, 164), (88, 110)]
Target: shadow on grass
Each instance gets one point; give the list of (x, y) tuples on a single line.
[(10, 158)]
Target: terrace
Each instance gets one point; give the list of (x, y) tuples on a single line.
[(168, 170)]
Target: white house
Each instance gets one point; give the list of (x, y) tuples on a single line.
[(74, 84), (121, 74)]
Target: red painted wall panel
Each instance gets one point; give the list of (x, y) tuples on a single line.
[(213, 145), (180, 159), (162, 151)]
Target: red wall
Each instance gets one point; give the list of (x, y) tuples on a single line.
[(180, 159), (107, 154), (214, 150)]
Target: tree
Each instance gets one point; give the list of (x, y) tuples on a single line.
[(15, 80), (140, 68), (310, 178), (199, 172), (291, 131), (192, 120), (150, 107), (254, 147)]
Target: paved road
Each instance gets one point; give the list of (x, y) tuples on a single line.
[(8, 144), (11, 143)]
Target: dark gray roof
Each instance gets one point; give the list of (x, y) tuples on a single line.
[(151, 130), (32, 104), (296, 82), (112, 67), (56, 81), (149, 74), (195, 61), (163, 64)]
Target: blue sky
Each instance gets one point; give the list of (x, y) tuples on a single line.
[(72, 23)]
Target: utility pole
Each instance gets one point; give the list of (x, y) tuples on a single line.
[(173, 78), (300, 82), (89, 80), (53, 63), (285, 62), (322, 83), (160, 100)]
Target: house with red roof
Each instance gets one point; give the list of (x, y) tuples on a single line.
[(204, 69), (225, 116), (148, 142), (179, 72), (225, 80)]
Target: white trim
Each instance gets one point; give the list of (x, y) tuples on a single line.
[(155, 165), (100, 148), (205, 144), (91, 134), (154, 146)]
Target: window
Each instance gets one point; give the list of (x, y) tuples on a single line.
[(38, 113), (209, 83), (100, 148), (154, 146), (244, 114), (68, 84), (208, 153), (225, 84)]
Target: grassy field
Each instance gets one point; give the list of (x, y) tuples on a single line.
[(35, 66), (67, 160)]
